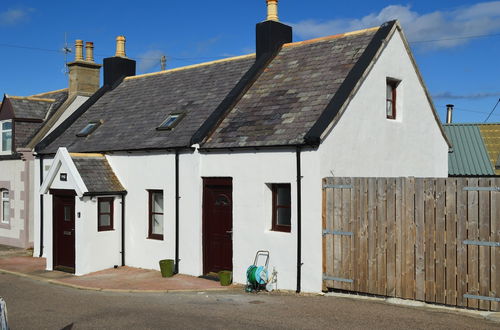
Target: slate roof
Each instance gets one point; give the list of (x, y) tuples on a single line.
[(469, 156), (291, 94), (132, 111), (97, 174), (37, 106), (24, 132)]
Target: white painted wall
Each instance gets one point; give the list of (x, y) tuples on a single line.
[(10, 178)]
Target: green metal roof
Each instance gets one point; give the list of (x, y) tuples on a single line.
[(469, 156)]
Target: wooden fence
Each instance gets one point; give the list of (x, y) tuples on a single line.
[(434, 240)]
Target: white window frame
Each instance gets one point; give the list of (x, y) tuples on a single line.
[(4, 200), (5, 152)]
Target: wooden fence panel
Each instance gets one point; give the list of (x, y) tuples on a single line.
[(414, 238)]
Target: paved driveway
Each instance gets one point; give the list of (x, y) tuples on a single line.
[(39, 305)]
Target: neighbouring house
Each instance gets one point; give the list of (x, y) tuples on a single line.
[(476, 149), (24, 121), (209, 163)]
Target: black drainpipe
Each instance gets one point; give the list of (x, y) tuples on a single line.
[(177, 197), (299, 220), (41, 207), (123, 230)]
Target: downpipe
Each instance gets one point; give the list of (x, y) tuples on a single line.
[(299, 220)]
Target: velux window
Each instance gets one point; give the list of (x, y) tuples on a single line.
[(171, 121), (282, 208), (391, 95), (155, 214), (4, 206), (5, 136), (105, 213), (89, 128)]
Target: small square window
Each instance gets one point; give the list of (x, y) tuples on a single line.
[(171, 121), (282, 207), (155, 214), (89, 128), (105, 213)]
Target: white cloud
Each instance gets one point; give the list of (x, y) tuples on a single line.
[(14, 16), (478, 19), (448, 95), (149, 60)]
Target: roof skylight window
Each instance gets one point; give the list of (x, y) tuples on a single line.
[(171, 121), (89, 128)]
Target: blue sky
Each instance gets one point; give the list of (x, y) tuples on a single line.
[(456, 68)]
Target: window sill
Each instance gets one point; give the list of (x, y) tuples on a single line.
[(281, 230), (156, 237), (105, 229)]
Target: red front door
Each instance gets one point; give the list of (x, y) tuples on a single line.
[(64, 231), (217, 224)]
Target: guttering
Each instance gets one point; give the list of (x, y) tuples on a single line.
[(299, 219), (123, 230), (41, 207), (177, 197)]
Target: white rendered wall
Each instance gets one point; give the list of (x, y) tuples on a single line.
[(11, 179), (366, 144)]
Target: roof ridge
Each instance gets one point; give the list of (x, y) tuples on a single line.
[(30, 98), (335, 36), (45, 93), (234, 58), (469, 124), (84, 155)]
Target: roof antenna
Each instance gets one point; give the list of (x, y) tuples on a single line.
[(163, 62), (492, 111), (66, 50)]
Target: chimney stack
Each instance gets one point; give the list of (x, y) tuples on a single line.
[(118, 66), (271, 34), (84, 74), (449, 113)]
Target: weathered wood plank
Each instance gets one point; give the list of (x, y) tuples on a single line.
[(391, 238), (440, 260), (451, 242), (337, 240), (410, 239), (381, 237), (399, 236), (362, 276), (346, 240), (484, 251), (430, 201), (495, 252), (356, 216), (472, 250), (461, 248), (328, 239), (420, 240), (372, 236)]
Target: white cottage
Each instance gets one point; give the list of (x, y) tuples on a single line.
[(212, 162)]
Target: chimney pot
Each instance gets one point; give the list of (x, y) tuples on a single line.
[(449, 113), (79, 50), (89, 51), (120, 46), (272, 10)]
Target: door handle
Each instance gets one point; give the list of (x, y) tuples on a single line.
[(229, 232)]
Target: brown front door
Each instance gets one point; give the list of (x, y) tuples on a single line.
[(217, 224), (64, 230)]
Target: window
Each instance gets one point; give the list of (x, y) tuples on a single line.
[(5, 137), (156, 214), (89, 128), (391, 88), (5, 206), (171, 121), (282, 208), (105, 213)]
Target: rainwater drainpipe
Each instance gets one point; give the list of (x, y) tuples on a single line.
[(176, 267), (123, 230), (449, 113), (299, 220), (41, 207)]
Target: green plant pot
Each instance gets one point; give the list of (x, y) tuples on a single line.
[(225, 277), (167, 267)]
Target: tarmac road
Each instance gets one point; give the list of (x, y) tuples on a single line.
[(39, 305)]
